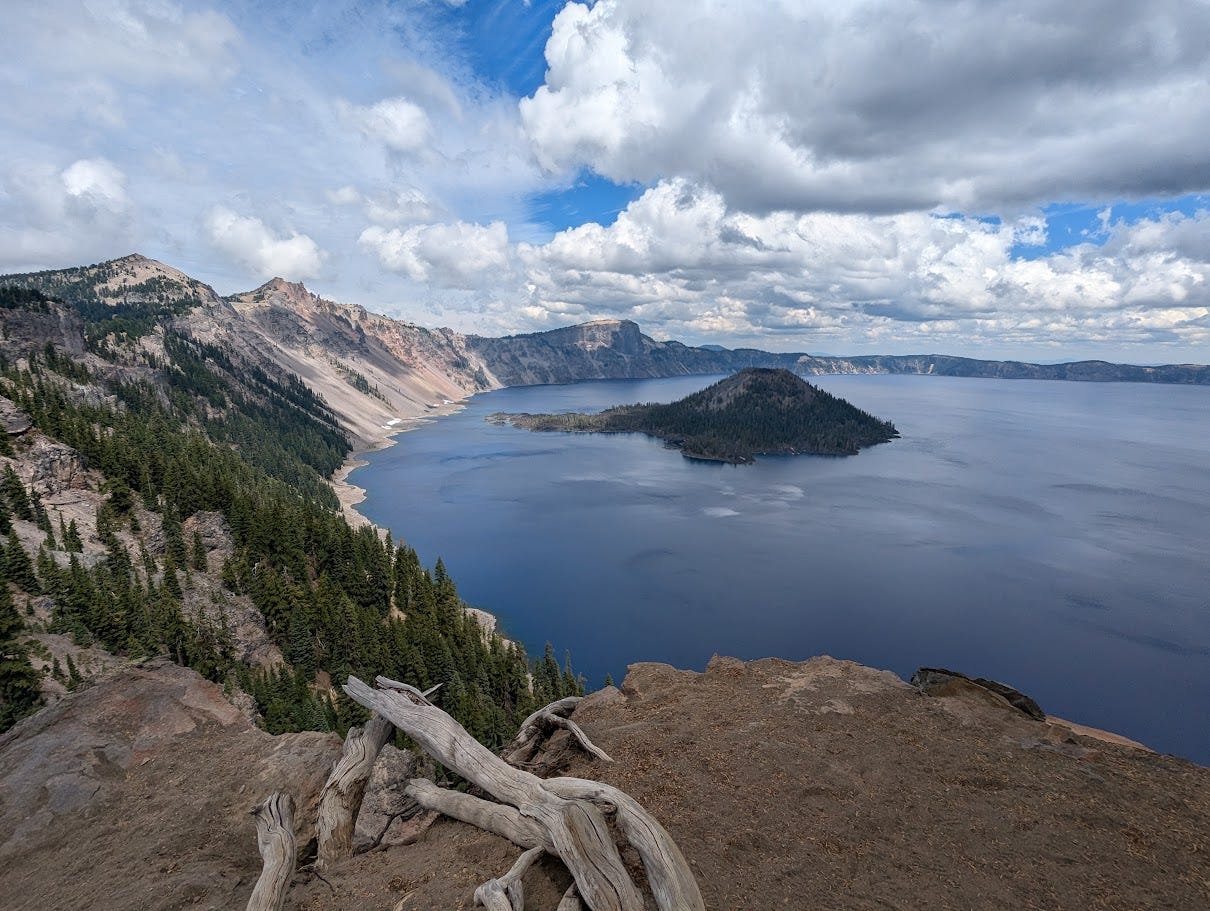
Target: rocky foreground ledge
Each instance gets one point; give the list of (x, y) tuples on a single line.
[(821, 784)]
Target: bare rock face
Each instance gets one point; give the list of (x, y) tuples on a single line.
[(208, 603), (56, 468), (13, 419), (135, 793), (385, 800)]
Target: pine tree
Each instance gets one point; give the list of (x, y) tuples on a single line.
[(74, 679), (171, 584), (14, 491), (17, 565), (197, 559), (301, 646), (20, 693), (72, 542)]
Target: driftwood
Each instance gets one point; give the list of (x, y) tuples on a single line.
[(540, 724), (341, 797), (275, 840), (566, 821)]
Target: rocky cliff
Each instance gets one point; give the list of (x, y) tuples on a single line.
[(820, 784)]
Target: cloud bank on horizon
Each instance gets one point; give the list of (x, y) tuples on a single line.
[(1023, 180)]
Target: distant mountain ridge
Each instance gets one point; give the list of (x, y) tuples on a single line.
[(617, 349), (375, 371)]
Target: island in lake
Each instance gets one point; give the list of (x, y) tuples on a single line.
[(757, 411)]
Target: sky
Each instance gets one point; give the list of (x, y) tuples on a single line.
[(1014, 180)]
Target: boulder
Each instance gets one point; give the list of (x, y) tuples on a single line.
[(933, 681), (13, 419), (385, 803)]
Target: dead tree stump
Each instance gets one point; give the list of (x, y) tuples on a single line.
[(275, 840), (342, 794)]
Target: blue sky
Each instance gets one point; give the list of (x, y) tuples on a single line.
[(1025, 180)]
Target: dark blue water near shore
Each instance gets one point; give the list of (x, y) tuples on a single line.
[(1052, 535)]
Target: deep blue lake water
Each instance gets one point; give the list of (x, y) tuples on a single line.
[(1052, 535)]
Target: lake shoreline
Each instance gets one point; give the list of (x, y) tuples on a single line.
[(349, 494)]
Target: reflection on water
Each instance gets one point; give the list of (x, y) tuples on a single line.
[(1052, 535)]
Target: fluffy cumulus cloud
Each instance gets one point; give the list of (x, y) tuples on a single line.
[(48, 212), (399, 124), (874, 106), (679, 260), (263, 252), (854, 176), (456, 255)]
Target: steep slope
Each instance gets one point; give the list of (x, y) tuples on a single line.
[(371, 369), (164, 492)]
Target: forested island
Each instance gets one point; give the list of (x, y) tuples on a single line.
[(758, 411)]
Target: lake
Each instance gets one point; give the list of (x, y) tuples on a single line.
[(1055, 536)]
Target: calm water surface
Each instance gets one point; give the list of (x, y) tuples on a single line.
[(1052, 535)]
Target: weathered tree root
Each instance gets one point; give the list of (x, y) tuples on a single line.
[(275, 840), (561, 819), (342, 794), (505, 893), (571, 900), (538, 726)]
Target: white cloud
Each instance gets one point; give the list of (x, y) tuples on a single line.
[(251, 243), (397, 123), (457, 255), (684, 265), (48, 214), (400, 207), (347, 195), (877, 107), (135, 41)]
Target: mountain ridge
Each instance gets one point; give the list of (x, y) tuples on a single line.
[(417, 370)]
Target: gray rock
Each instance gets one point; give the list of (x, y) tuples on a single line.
[(57, 468), (931, 680), (13, 419), (385, 798)]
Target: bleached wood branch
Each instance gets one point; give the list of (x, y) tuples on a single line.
[(538, 725), (571, 900), (505, 821), (668, 874), (569, 823), (342, 794), (275, 841), (505, 893)]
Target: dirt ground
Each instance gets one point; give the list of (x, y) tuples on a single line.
[(826, 785), (821, 785)]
